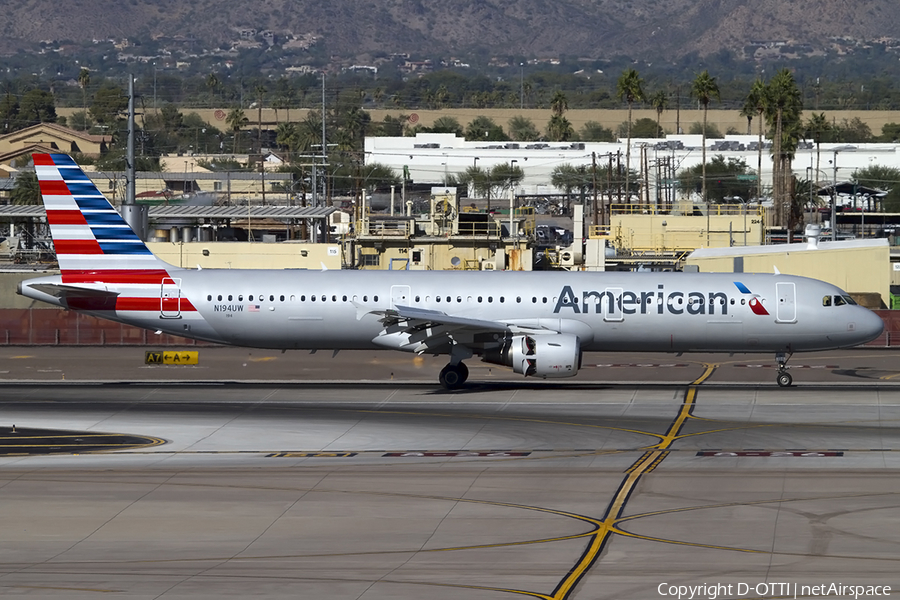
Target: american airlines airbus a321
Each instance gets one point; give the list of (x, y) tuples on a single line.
[(536, 323)]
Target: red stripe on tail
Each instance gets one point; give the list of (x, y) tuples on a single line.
[(66, 217), (54, 187), (115, 276), (77, 247)]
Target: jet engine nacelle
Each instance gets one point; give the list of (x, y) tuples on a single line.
[(550, 355)]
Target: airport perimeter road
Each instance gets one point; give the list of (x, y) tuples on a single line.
[(126, 363), (404, 491)]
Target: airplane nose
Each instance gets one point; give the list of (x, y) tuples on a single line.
[(869, 326)]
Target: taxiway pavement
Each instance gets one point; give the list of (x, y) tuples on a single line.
[(592, 488)]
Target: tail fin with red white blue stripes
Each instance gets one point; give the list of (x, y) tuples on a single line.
[(92, 240)]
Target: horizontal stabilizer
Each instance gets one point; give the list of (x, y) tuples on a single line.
[(71, 291)]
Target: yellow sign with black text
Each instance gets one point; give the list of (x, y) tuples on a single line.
[(172, 357)]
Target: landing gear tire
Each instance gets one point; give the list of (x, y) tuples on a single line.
[(784, 379), (453, 376)]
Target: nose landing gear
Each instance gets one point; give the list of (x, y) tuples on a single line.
[(783, 378)]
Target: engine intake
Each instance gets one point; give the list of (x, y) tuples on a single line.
[(548, 356)]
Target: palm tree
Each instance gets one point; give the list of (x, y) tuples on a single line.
[(522, 129), (559, 104), (286, 136), (84, 80), (630, 89), (260, 95), (660, 102), (559, 129), (817, 125), (704, 88), (784, 105), (213, 83), (235, 120), (758, 98), (26, 189)]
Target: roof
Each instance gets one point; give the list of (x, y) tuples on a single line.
[(33, 211), (65, 131), (849, 188), (783, 248)]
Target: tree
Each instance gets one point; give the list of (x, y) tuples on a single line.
[(748, 110), (890, 132), (84, 80), (783, 110), (757, 99), (883, 178), (817, 126), (80, 121), (507, 175), (660, 102), (724, 183), (595, 132), (486, 130), (522, 129), (37, 106), (704, 89), (853, 131), (108, 105), (235, 120), (710, 130), (629, 88), (213, 83), (568, 177), (260, 96), (478, 179), (559, 129), (447, 125), (286, 136), (26, 189), (644, 127), (9, 112)]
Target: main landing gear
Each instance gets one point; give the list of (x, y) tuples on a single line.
[(453, 376), (783, 378)]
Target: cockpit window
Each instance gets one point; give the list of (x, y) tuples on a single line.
[(826, 301), (849, 300), (839, 301)]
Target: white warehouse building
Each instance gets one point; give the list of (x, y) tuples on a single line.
[(430, 157)]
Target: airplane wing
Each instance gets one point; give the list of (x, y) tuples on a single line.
[(422, 330), (419, 317)]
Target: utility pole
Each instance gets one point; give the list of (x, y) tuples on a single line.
[(324, 146), (594, 187)]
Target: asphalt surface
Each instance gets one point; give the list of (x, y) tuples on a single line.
[(315, 477)]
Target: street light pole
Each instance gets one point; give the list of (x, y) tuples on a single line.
[(521, 85), (847, 148)]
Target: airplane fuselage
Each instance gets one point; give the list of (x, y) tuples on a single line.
[(676, 312)]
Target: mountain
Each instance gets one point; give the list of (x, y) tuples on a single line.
[(646, 29)]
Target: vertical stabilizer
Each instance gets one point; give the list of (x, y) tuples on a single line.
[(91, 239)]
